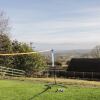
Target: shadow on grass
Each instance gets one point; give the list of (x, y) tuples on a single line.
[(49, 86), (32, 98)]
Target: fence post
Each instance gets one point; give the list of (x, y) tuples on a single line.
[(83, 74), (47, 73), (12, 72), (92, 76), (1, 72), (74, 75)]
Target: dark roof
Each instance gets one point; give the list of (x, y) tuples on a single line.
[(84, 65)]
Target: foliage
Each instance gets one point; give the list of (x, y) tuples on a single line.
[(5, 42), (29, 63), (57, 63)]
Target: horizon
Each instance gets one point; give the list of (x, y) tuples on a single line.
[(63, 24)]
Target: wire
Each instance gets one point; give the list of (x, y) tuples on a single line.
[(27, 53)]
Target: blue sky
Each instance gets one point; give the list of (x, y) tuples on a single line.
[(74, 23)]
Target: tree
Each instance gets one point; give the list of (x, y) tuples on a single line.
[(4, 23), (29, 63), (5, 42), (95, 53)]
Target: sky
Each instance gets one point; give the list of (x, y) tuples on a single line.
[(59, 24)]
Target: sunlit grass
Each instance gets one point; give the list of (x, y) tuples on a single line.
[(32, 90)]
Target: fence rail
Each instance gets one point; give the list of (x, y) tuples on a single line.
[(72, 74), (88, 75), (4, 71)]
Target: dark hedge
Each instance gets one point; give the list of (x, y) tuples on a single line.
[(84, 65)]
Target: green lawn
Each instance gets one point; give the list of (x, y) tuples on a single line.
[(28, 90)]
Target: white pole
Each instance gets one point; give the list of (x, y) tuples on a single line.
[(53, 65), (52, 53)]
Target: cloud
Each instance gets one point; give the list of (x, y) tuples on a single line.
[(53, 26), (83, 37), (82, 28), (89, 9)]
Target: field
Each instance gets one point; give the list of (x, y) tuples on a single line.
[(33, 89)]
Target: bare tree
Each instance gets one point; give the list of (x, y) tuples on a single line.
[(96, 52), (4, 23), (5, 42)]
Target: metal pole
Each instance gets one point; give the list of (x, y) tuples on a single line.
[(53, 65), (52, 54)]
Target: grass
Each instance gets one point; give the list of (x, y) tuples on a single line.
[(34, 90)]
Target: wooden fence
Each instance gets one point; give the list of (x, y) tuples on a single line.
[(4, 71), (73, 74), (84, 75)]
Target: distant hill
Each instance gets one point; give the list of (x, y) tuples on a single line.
[(72, 53), (69, 53)]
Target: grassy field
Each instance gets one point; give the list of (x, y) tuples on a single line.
[(33, 89)]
